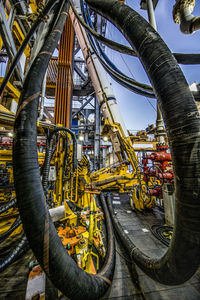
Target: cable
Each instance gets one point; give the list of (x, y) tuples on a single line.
[(182, 121), (163, 233), (21, 248), (182, 58), (7, 206), (12, 228), (108, 61), (42, 235), (48, 7)]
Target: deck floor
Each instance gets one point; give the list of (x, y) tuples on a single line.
[(137, 226), (13, 280)]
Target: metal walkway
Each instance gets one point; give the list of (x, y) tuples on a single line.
[(137, 226), (14, 279)]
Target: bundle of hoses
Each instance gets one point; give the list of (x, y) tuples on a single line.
[(41, 233), (12, 228), (50, 152), (18, 251), (7, 206), (163, 233), (182, 122), (181, 58), (22, 245)]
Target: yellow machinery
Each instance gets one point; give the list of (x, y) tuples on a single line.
[(73, 184)]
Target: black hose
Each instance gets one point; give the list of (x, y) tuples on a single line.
[(182, 124), (187, 58), (19, 250), (34, 27), (110, 67), (124, 80), (74, 142), (163, 233), (7, 206), (46, 164), (14, 226), (50, 151), (182, 58), (38, 226)]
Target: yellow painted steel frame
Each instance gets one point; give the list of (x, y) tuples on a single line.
[(11, 90), (20, 37), (8, 218), (119, 177), (33, 5)]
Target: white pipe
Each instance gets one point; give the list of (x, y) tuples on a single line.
[(160, 134), (57, 213), (102, 85), (43, 97)]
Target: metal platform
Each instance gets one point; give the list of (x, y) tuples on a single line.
[(13, 280), (137, 226)]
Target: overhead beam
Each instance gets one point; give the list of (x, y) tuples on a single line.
[(84, 105), (143, 4), (79, 92), (79, 72), (48, 114), (8, 39)]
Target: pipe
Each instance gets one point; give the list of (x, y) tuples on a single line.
[(74, 142), (128, 82), (21, 248), (8, 205), (16, 59), (151, 15), (12, 228), (182, 125), (46, 164), (57, 213), (41, 233), (160, 133), (98, 76), (182, 58), (43, 97), (182, 14)]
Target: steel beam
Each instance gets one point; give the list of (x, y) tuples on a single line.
[(88, 101), (143, 4), (97, 135), (8, 40), (79, 72)]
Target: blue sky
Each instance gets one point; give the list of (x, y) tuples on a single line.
[(136, 110)]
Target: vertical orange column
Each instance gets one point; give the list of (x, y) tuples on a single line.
[(64, 81)]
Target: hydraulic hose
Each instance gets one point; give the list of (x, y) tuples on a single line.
[(112, 67), (182, 122), (121, 78), (187, 58), (74, 142), (12, 228), (182, 58), (49, 152), (19, 250), (46, 165), (33, 29), (7, 206), (40, 232)]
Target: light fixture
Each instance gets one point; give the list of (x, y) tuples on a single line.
[(81, 137), (105, 138), (193, 87)]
